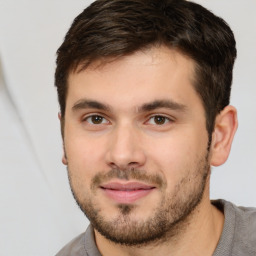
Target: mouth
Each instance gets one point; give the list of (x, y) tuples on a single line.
[(126, 193)]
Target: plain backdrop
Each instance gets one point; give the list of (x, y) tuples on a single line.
[(38, 214)]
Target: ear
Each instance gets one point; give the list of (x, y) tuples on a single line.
[(223, 134), (64, 157)]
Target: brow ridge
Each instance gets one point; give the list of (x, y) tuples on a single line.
[(150, 106), (156, 104), (86, 103)]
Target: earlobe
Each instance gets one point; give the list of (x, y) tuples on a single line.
[(223, 134), (64, 159)]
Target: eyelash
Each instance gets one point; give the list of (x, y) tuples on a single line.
[(95, 116), (154, 117), (163, 119)]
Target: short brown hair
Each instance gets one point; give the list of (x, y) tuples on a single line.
[(115, 28)]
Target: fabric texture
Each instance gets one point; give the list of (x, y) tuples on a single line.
[(82, 245), (238, 237)]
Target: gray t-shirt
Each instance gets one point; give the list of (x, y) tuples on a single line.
[(238, 237)]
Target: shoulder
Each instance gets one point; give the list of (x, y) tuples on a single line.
[(82, 245), (244, 217), (239, 232), (245, 228), (74, 247)]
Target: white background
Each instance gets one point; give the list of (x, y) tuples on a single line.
[(37, 212)]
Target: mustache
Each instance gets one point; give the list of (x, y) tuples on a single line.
[(130, 174)]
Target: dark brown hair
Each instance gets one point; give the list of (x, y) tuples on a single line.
[(115, 28)]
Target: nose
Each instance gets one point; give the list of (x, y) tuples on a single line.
[(125, 149)]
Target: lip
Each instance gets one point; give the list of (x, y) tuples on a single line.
[(126, 193)]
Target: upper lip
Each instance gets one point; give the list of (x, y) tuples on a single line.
[(127, 186)]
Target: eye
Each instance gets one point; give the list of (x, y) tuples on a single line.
[(159, 120), (96, 119)]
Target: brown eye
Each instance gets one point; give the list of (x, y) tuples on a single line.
[(159, 120), (96, 119)]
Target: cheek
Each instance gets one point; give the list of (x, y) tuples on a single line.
[(84, 157), (175, 155), (81, 146), (81, 167)]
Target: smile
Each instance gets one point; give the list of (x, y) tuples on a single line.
[(126, 193)]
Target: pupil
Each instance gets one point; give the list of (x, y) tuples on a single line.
[(96, 119), (159, 119)]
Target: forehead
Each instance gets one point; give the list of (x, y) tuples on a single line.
[(152, 55), (150, 74)]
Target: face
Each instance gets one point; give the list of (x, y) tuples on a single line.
[(135, 144)]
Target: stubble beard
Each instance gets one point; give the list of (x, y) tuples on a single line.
[(170, 218)]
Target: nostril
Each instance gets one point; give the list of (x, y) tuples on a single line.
[(125, 159), (113, 165)]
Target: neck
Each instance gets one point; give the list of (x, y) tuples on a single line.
[(200, 235)]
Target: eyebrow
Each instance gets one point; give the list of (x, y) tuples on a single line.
[(85, 103), (156, 104), (169, 104)]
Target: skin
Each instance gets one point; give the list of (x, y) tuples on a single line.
[(125, 135)]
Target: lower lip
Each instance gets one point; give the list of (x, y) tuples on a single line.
[(126, 197)]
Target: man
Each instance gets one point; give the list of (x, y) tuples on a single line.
[(144, 89)]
